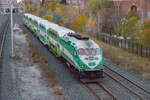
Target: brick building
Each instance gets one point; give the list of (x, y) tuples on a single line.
[(142, 7), (78, 3)]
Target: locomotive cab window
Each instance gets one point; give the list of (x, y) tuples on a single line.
[(75, 52), (54, 35), (42, 27), (81, 51), (91, 51)]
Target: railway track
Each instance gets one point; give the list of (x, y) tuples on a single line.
[(99, 90), (3, 33), (134, 88)]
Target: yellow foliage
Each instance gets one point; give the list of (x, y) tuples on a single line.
[(31, 8), (146, 37), (48, 17), (64, 21), (80, 23), (146, 24), (131, 27), (50, 11), (91, 23), (57, 10)]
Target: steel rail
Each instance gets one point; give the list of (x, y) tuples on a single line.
[(108, 91), (3, 33), (2, 41), (148, 92), (93, 92), (126, 87), (86, 84)]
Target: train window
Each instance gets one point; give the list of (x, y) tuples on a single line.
[(52, 33), (81, 51), (74, 52), (48, 33), (88, 51), (41, 26), (35, 23)]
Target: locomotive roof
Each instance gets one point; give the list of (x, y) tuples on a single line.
[(63, 31), (80, 41)]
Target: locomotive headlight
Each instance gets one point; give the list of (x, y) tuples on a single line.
[(84, 66), (99, 65)]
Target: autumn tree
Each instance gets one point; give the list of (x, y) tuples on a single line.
[(60, 9), (96, 7), (91, 26), (130, 28), (80, 23), (31, 8), (64, 22), (51, 6), (48, 17), (73, 14), (146, 24), (145, 36)]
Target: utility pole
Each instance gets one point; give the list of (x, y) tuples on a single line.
[(12, 33)]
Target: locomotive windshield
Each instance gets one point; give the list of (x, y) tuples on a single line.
[(89, 51)]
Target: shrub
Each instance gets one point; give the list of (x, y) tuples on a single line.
[(145, 38), (36, 58), (43, 59), (57, 90), (49, 17), (50, 75), (80, 23)]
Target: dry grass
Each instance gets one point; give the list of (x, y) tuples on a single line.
[(43, 59), (49, 74), (36, 58), (57, 90), (132, 62)]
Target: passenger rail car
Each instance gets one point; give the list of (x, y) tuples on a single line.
[(81, 54)]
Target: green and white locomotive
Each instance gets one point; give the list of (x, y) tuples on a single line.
[(80, 53)]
